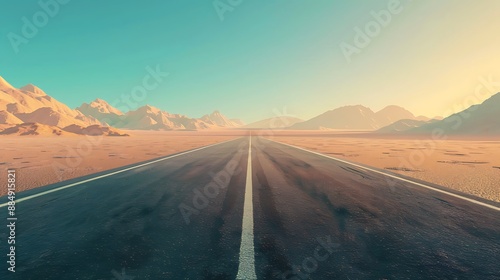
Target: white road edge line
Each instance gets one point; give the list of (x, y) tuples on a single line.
[(394, 177), (113, 173), (246, 268)]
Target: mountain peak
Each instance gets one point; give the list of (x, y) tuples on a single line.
[(217, 118), (394, 108), (393, 113), (33, 89), (4, 84), (354, 107), (98, 106), (215, 114), (148, 108), (104, 107), (100, 101)]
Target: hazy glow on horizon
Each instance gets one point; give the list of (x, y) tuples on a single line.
[(264, 56)]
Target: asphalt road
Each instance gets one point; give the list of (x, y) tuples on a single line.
[(273, 211)]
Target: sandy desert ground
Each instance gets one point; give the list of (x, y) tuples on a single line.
[(43, 160), (468, 165)]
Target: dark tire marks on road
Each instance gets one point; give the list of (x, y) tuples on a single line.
[(405, 232), (270, 257), (132, 221)]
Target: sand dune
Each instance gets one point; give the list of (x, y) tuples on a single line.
[(33, 129), (37, 129), (94, 130), (48, 116), (8, 118)]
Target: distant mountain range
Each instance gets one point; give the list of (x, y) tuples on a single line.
[(30, 104), (402, 125), (481, 119), (151, 118), (274, 123), (30, 111), (357, 117)]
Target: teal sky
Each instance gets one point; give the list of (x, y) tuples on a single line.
[(264, 56)]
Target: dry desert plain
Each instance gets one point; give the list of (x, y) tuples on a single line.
[(42, 160), (465, 164)]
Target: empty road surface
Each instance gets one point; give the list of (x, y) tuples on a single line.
[(259, 210)]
